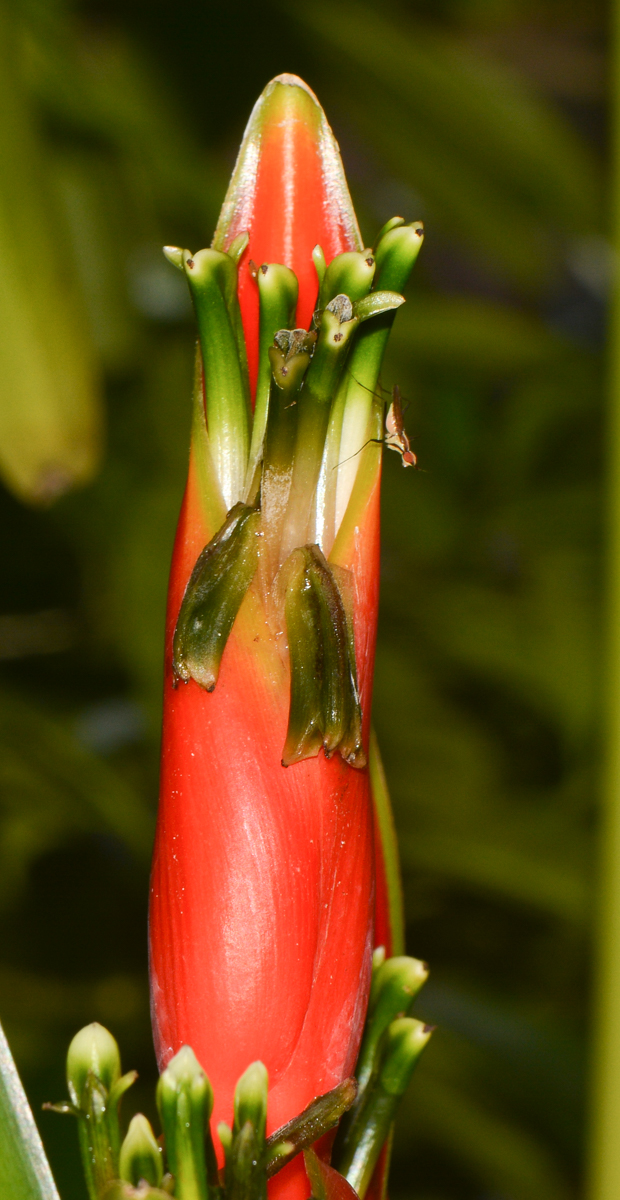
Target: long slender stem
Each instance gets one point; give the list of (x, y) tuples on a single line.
[(605, 1118)]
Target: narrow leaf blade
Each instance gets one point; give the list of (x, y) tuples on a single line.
[(24, 1170)]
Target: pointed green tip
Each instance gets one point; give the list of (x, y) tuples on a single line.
[(254, 1080), (224, 1132), (185, 1074), (378, 958), (291, 91), (140, 1156), (174, 254), (251, 1098), (183, 1068)]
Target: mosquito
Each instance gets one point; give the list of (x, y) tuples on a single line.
[(395, 433)]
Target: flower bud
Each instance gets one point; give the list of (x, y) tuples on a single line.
[(395, 254), (212, 278), (395, 985), (251, 1099), (93, 1051), (140, 1156), (185, 1101), (278, 291), (405, 1042), (358, 1151), (96, 1086), (351, 273)]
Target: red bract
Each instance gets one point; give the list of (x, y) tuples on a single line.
[(289, 193), (262, 890)]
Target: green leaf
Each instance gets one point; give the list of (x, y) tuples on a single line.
[(50, 414), (24, 1170), (389, 844)]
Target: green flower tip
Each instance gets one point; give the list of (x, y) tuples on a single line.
[(93, 1051), (318, 258), (254, 1081), (251, 1097), (406, 1039), (141, 1157), (288, 98), (224, 1132), (396, 250), (238, 245), (185, 1074), (393, 223), (407, 973), (378, 958), (277, 283), (174, 254), (351, 272)]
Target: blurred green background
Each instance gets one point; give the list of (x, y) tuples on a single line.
[(487, 119)]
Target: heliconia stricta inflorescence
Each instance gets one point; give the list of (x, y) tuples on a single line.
[(263, 882)]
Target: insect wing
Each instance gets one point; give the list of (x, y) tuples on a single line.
[(392, 427), (395, 436)]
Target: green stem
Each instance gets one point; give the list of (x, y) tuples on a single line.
[(289, 359), (302, 1131), (397, 249), (315, 400), (277, 290), (384, 824), (357, 1157), (185, 1101), (327, 486), (212, 277)]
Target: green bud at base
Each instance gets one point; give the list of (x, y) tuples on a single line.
[(185, 1102), (96, 1086), (351, 273), (250, 1102), (359, 1145), (395, 985), (140, 1156), (92, 1052)]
